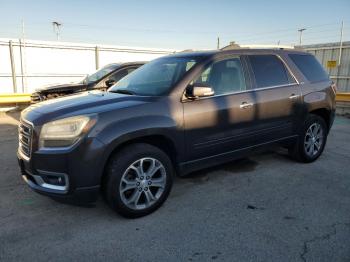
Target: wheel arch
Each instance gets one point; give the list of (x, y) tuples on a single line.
[(158, 140), (323, 113)]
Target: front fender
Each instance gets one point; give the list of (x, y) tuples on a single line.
[(120, 132)]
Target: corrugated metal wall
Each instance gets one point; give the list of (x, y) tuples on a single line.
[(330, 52)]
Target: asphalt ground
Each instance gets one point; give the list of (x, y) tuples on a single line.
[(262, 208)]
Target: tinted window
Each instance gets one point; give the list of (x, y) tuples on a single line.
[(268, 70), (224, 76), (310, 67), (120, 74), (99, 74)]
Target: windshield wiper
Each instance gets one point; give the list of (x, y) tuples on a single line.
[(123, 91)]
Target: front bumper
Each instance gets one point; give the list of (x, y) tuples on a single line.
[(65, 174)]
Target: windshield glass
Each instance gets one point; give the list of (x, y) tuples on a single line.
[(155, 78), (99, 74)]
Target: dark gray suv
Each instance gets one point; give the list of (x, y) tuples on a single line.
[(174, 115)]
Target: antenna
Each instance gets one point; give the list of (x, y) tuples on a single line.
[(57, 29)]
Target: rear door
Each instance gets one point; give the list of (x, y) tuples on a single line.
[(277, 95), (223, 122)]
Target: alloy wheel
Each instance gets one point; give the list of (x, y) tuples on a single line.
[(313, 139), (143, 183)]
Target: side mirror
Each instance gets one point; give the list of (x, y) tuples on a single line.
[(110, 82), (199, 90)]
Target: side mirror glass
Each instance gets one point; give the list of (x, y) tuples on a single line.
[(199, 90), (110, 82)]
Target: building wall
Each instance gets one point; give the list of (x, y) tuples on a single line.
[(41, 63), (330, 52)]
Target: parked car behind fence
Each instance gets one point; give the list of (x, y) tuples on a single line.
[(100, 80)]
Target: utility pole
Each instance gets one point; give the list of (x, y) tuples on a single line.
[(57, 29), (22, 29), (13, 67), (218, 43), (301, 35)]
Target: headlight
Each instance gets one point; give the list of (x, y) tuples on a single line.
[(65, 132)]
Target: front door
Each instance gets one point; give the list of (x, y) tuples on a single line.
[(223, 122)]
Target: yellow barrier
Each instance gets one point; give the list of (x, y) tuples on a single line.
[(14, 98), (343, 97)]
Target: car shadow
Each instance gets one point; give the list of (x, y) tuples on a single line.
[(242, 165)]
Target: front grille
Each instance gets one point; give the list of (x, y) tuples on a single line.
[(25, 134)]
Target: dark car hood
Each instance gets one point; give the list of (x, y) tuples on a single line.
[(61, 87), (83, 103)]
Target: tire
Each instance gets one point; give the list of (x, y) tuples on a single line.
[(125, 182), (314, 130)]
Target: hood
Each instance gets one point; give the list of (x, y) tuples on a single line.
[(83, 103), (61, 87)]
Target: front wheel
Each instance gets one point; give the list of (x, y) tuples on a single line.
[(139, 180), (312, 140)]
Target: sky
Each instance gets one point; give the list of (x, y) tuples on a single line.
[(177, 24)]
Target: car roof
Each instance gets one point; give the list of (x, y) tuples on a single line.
[(238, 51), (119, 65)]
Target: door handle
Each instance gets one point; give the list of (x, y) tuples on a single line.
[(245, 105), (292, 96)]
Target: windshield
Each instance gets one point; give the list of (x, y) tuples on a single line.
[(155, 78), (99, 74)]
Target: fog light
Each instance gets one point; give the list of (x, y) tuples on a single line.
[(54, 180)]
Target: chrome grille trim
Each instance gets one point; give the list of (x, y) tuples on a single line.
[(25, 138)]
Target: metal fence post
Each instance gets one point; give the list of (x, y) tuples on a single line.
[(97, 58), (22, 64), (13, 68), (340, 52)]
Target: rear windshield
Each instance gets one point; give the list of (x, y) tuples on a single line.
[(310, 67)]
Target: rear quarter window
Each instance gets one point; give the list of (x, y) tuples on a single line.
[(310, 67), (269, 71)]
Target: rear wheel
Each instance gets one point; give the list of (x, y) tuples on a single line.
[(139, 180), (312, 140)]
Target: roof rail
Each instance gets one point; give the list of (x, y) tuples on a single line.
[(186, 50), (268, 46)]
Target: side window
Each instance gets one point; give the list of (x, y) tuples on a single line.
[(115, 76), (225, 76), (310, 67), (120, 74), (269, 70)]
